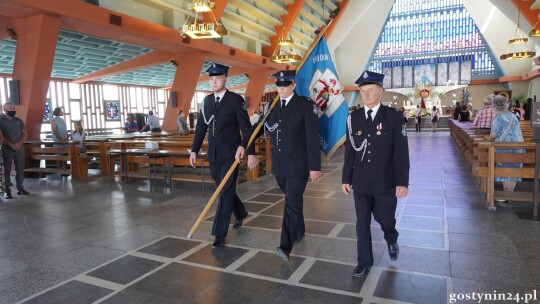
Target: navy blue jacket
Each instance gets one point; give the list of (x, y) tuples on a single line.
[(385, 163), (294, 134), (230, 116)]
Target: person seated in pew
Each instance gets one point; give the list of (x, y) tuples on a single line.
[(183, 127), (130, 125), (79, 135), (152, 123), (505, 128)]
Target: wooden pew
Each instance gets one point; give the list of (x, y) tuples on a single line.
[(489, 171), (37, 151), (481, 156)]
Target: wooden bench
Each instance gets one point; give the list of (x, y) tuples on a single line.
[(481, 155), (488, 171), (38, 151)]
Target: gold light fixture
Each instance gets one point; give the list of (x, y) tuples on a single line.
[(521, 40), (201, 6), (280, 55), (203, 30), (285, 41), (286, 58)]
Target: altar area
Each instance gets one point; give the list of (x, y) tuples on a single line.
[(410, 98)]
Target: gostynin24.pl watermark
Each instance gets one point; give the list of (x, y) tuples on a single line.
[(507, 297)]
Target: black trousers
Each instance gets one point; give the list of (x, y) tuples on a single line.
[(229, 202), (10, 156), (383, 207), (293, 218), (419, 124)]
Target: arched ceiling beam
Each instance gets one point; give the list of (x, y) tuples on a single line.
[(85, 18), (140, 62), (526, 11), (283, 30)]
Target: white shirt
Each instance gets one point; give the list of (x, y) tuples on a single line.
[(286, 100), (220, 95), (153, 122), (254, 119), (375, 109)]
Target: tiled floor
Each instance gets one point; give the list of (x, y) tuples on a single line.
[(82, 242)]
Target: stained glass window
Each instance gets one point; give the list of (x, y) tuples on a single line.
[(435, 32)]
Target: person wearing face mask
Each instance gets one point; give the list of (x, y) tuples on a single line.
[(12, 134), (182, 124)]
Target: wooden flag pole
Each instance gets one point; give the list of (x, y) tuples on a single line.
[(251, 139)]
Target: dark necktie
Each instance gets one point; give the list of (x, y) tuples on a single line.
[(369, 118), (283, 101), (216, 103)]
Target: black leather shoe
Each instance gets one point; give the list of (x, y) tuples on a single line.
[(393, 251), (360, 271), (22, 192), (218, 242), (239, 221), (8, 195), (299, 238), (282, 253)]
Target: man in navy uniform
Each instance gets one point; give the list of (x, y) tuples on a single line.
[(377, 166), (222, 115), (293, 125)]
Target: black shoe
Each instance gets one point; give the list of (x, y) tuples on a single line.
[(393, 251), (218, 242), (282, 253), (7, 195), (360, 271), (299, 238), (22, 192), (239, 221)]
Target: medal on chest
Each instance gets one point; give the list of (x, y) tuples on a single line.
[(379, 129)]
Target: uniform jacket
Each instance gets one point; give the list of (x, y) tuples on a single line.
[(294, 133), (223, 130), (385, 163)]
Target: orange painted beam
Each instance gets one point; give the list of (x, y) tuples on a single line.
[(484, 81), (531, 15), (342, 6), (34, 55), (5, 23), (93, 20), (351, 88), (219, 8), (283, 30), (532, 75), (141, 62), (255, 88), (184, 85), (510, 78)]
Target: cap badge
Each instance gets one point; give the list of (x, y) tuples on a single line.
[(365, 75), (281, 74), (214, 65)]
